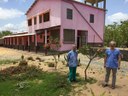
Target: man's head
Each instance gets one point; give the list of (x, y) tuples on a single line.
[(74, 47), (112, 44)]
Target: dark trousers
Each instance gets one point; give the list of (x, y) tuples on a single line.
[(72, 73), (108, 71)]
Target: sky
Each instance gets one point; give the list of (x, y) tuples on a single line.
[(12, 13)]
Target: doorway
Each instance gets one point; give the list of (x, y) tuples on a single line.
[(81, 38)]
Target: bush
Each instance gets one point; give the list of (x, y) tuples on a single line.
[(20, 73), (23, 63), (30, 58), (38, 58), (51, 65)]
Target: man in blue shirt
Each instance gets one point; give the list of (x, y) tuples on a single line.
[(112, 62), (72, 63)]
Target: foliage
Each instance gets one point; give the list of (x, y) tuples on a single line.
[(6, 61), (23, 62), (30, 58), (5, 33), (17, 72), (32, 81), (93, 94), (51, 65), (55, 45), (118, 33), (38, 58), (91, 53)]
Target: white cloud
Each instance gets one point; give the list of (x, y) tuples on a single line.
[(9, 13), (117, 17), (3, 0), (126, 0), (15, 27)]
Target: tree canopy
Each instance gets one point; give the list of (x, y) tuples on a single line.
[(5, 33), (118, 33)]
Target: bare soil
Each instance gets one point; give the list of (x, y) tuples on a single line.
[(96, 71)]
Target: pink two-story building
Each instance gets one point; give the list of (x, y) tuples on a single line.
[(70, 21)]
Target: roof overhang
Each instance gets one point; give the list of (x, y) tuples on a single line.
[(31, 6), (20, 35), (94, 1)]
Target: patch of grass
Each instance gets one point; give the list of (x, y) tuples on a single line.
[(93, 94), (8, 61), (88, 81), (34, 82), (91, 80)]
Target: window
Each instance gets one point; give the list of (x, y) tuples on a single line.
[(69, 14), (29, 22), (91, 18), (69, 36), (55, 33), (40, 18), (46, 17), (34, 20)]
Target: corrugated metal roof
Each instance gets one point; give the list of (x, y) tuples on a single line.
[(19, 35)]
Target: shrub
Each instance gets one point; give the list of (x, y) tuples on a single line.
[(20, 73), (14, 62), (23, 63), (51, 65), (38, 58), (30, 58)]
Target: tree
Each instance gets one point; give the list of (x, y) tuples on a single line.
[(91, 53), (124, 32), (55, 46), (5, 33), (118, 33)]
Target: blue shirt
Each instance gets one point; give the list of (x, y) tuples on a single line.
[(112, 58), (72, 58)]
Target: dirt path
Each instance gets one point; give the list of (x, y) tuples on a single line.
[(96, 70)]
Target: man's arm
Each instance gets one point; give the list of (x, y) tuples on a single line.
[(105, 59), (119, 60), (68, 57)]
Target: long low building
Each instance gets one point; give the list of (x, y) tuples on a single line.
[(70, 21)]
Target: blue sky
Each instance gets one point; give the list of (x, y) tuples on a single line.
[(12, 13)]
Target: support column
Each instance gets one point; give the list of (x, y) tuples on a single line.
[(29, 43), (36, 43), (17, 43), (45, 36), (22, 43), (10, 42)]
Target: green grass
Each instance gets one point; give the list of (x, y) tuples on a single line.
[(34, 83), (7, 61)]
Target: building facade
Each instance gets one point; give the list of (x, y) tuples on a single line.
[(70, 21)]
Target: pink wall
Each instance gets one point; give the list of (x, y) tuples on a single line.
[(40, 40), (57, 9), (78, 23), (42, 6)]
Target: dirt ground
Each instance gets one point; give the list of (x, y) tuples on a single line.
[(96, 70)]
